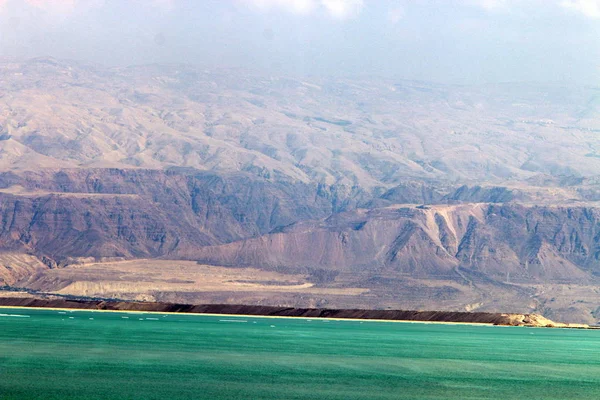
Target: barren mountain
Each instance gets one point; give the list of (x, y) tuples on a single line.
[(356, 132), (332, 192)]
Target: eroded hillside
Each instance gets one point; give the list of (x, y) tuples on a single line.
[(340, 131)]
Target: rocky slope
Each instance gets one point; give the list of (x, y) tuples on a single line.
[(240, 220), (505, 243), (135, 213)]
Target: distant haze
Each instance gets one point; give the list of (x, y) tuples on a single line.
[(450, 41)]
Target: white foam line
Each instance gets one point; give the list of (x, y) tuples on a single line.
[(232, 320), (152, 319), (15, 315)]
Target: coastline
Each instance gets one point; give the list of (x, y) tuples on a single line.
[(246, 316), (228, 310)]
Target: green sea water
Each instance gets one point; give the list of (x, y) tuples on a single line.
[(47, 354)]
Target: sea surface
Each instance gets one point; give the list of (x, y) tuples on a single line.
[(59, 354)]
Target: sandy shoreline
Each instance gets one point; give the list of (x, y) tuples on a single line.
[(248, 311), (246, 316)]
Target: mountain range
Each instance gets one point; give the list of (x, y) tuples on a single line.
[(149, 182)]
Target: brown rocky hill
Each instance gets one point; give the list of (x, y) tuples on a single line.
[(145, 213), (503, 243), (244, 220)]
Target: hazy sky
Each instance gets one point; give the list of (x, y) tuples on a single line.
[(460, 41)]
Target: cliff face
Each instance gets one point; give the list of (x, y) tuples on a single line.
[(135, 213), (238, 220), (505, 243)]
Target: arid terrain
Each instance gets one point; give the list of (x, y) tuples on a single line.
[(176, 184)]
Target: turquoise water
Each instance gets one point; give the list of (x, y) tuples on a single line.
[(50, 355)]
